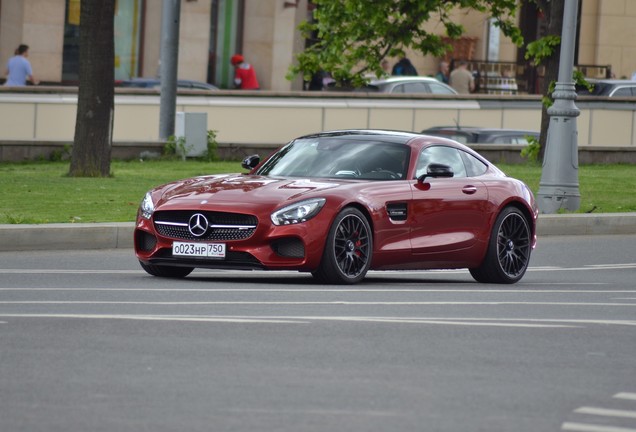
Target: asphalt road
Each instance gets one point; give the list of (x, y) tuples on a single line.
[(88, 342)]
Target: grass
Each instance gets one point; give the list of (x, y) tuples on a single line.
[(40, 192)]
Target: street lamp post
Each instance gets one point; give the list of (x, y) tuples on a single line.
[(559, 185)]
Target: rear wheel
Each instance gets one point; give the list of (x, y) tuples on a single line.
[(509, 249), (348, 250), (166, 271)]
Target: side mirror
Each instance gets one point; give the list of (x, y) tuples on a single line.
[(250, 162), (436, 170)]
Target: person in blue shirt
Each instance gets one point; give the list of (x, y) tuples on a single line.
[(19, 69), (404, 67)]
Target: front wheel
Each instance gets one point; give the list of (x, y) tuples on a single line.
[(509, 250), (166, 271), (348, 250)]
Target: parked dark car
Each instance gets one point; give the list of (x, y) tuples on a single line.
[(156, 83), (479, 135), (609, 88)]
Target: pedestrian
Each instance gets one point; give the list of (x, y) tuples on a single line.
[(19, 69), (244, 74), (461, 79), (442, 74), (404, 67)]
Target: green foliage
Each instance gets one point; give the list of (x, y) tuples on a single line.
[(531, 151), (579, 79), (352, 37), (170, 148), (541, 49), (176, 146), (211, 154), (59, 155)]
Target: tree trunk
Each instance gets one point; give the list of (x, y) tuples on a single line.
[(554, 16), (94, 122)]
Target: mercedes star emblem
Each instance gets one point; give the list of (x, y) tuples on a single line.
[(198, 225)]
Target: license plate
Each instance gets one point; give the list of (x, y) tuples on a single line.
[(198, 250)]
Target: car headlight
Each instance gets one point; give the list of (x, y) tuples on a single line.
[(299, 212), (147, 207)]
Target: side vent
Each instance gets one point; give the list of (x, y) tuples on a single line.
[(397, 211)]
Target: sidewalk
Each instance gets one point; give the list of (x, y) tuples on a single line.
[(67, 236)]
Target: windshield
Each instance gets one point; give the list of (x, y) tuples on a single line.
[(339, 157)]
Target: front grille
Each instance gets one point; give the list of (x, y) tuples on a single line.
[(222, 226)]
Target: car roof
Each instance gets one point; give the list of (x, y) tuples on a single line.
[(604, 87), (476, 129), (611, 81), (150, 82), (394, 79), (400, 137)]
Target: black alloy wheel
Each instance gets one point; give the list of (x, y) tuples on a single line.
[(348, 249), (509, 250)]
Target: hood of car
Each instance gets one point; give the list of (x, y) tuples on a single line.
[(240, 189)]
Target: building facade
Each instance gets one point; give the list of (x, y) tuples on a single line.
[(265, 32)]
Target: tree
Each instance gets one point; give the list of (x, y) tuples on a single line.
[(94, 122), (547, 51), (351, 37)]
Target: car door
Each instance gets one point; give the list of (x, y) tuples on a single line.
[(447, 214)]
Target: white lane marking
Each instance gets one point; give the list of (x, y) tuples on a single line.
[(67, 271), (316, 411), (584, 427), (279, 320), (625, 395), (312, 303), (241, 320), (511, 322), (320, 412), (606, 412)]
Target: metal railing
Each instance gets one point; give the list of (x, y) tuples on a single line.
[(514, 78)]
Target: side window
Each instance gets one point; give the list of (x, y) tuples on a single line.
[(510, 139), (398, 89), (439, 89), (415, 87), (441, 155), (623, 92), (474, 167)]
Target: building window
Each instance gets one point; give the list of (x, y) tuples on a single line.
[(226, 30), (128, 14)]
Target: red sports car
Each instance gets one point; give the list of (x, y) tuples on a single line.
[(340, 203)]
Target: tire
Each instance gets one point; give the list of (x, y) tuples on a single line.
[(348, 250), (509, 249), (166, 271)]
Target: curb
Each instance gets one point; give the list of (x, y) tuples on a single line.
[(67, 236)]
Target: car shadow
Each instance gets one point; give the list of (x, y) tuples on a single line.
[(306, 279)]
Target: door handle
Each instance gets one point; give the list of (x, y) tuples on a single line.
[(469, 190)]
